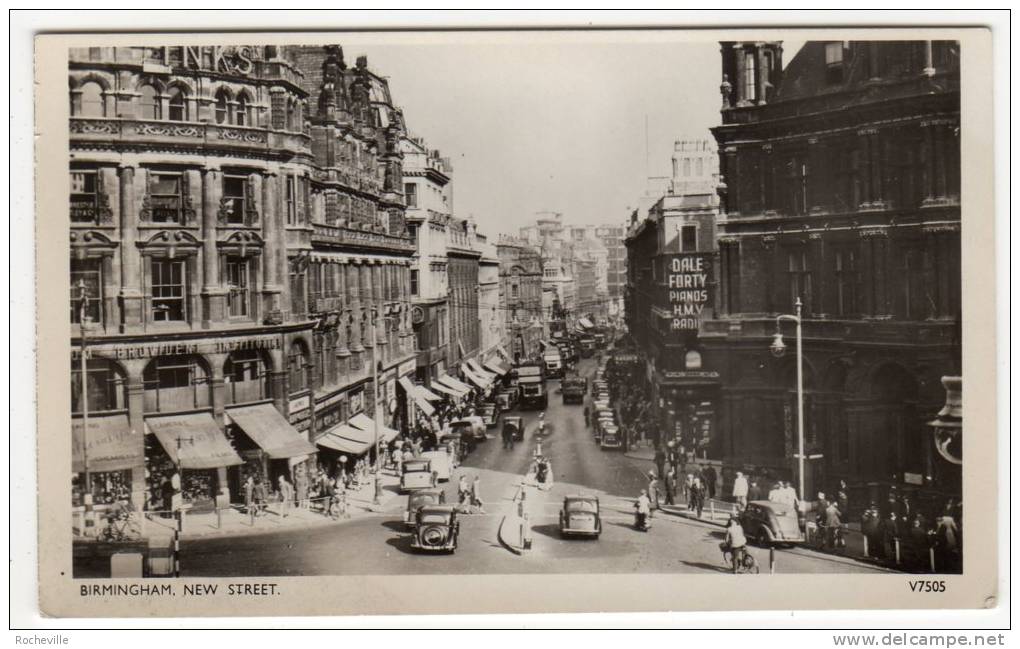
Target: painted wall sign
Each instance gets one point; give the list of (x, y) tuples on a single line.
[(687, 289)]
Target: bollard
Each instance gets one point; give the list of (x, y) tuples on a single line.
[(179, 516), (896, 546), (711, 509), (931, 558), (772, 560), (865, 539), (219, 518)]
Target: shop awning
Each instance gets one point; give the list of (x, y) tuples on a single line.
[(496, 368), (362, 421), (264, 424), (428, 394), (586, 323), (203, 444), (480, 371), (451, 382), (345, 439), (482, 383), (417, 397), (111, 445), (445, 389), (502, 352), (460, 345)]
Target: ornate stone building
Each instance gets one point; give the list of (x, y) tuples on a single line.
[(520, 276), (840, 187), (234, 225)]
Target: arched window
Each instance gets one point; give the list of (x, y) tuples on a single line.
[(176, 383), (222, 106), (298, 366), (91, 102), (178, 106), (241, 116), (106, 390), (692, 360), (149, 103)]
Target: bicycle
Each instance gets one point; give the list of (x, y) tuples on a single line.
[(747, 564)]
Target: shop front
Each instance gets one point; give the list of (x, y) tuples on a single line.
[(270, 446), (112, 454)]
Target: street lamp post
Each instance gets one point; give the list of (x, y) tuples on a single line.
[(83, 303), (375, 403), (778, 349)]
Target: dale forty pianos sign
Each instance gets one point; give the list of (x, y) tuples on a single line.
[(688, 290)]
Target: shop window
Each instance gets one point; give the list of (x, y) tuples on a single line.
[(89, 101), (149, 103), (166, 197), (238, 286), (169, 290), (106, 388), (84, 196), (178, 107), (222, 106), (87, 274), (246, 377), (298, 367), (234, 197), (175, 383)]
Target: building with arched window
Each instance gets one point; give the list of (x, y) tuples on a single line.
[(230, 308)]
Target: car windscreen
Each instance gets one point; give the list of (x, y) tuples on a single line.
[(581, 506), (420, 500), (434, 518)]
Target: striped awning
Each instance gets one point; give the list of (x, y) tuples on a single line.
[(455, 384), (362, 421), (418, 398), (496, 368), (447, 390)]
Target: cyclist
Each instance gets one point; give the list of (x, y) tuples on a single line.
[(735, 543)]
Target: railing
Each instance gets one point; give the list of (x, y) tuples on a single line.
[(177, 399), (90, 128), (338, 234), (906, 331)]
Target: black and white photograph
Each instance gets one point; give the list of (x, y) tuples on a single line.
[(511, 305)]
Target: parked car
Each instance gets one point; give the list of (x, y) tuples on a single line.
[(580, 516), (489, 414), (517, 424), (610, 437), (770, 523), (416, 474), (573, 389), (442, 464), (473, 425), (422, 498), (435, 529)]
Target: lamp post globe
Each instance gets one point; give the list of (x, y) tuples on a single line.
[(778, 347)]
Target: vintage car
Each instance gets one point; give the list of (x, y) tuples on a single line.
[(507, 399), (416, 474), (435, 529), (516, 424), (770, 523), (422, 498), (472, 426), (489, 414), (580, 516), (610, 436), (573, 389), (442, 464)]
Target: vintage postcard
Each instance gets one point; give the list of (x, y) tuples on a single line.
[(515, 322)]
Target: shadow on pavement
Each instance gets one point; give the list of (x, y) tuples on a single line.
[(396, 526), (401, 543), (552, 530), (708, 566)]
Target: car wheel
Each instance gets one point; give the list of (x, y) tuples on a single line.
[(763, 537)]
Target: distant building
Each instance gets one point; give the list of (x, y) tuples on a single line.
[(428, 193), (463, 257), (520, 273)]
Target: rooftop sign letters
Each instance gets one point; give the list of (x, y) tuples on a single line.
[(688, 279), (230, 59), (213, 346)]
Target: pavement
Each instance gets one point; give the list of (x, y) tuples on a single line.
[(375, 540)]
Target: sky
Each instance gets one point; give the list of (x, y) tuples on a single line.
[(555, 124)]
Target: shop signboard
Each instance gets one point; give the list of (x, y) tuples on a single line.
[(687, 291), (407, 367)]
